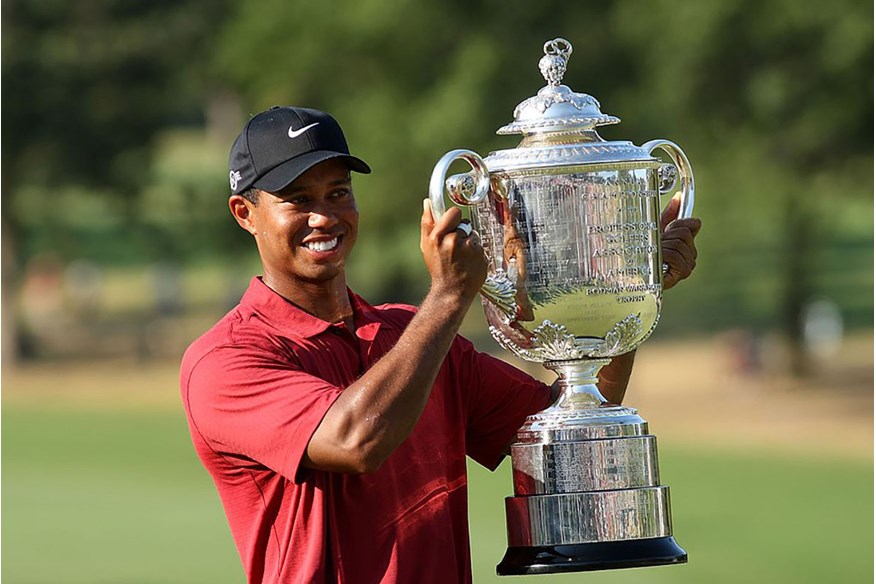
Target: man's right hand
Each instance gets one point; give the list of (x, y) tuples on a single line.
[(455, 260), (377, 412)]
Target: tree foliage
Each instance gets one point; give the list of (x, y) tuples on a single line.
[(87, 84), (772, 101)]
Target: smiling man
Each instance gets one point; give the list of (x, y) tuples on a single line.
[(337, 432)]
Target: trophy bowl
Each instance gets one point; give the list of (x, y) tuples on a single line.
[(570, 226)]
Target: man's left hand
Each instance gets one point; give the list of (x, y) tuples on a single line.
[(677, 243)]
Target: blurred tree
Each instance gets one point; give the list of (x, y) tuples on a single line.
[(87, 84), (408, 81), (772, 101), (781, 95)]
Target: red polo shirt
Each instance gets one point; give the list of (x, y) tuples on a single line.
[(257, 385)]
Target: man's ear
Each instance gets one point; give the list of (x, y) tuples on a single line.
[(241, 210)]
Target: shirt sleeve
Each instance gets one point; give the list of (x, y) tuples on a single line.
[(499, 397), (246, 402)]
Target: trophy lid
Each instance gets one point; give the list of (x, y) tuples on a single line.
[(556, 108), (558, 126)]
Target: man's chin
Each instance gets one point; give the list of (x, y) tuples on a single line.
[(322, 274)]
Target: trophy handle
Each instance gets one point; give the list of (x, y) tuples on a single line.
[(469, 189), (667, 174), (464, 189)]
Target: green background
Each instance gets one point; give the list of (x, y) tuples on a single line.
[(118, 249), (94, 495)]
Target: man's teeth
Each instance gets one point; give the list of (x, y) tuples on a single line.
[(322, 245)]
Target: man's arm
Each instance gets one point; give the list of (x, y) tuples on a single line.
[(372, 416), (614, 377), (680, 254)]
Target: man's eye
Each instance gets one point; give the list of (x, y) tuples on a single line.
[(297, 200), (341, 193)]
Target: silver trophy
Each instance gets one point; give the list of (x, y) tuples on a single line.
[(570, 227)]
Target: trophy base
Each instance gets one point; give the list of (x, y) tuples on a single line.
[(585, 557)]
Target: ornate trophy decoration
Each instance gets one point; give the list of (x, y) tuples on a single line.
[(570, 227)]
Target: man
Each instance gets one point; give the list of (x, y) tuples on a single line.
[(336, 432)]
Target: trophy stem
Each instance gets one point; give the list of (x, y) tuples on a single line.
[(577, 381), (587, 492)]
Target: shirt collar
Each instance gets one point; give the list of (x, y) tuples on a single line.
[(292, 319), (367, 318)]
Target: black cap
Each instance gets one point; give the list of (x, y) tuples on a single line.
[(280, 144)]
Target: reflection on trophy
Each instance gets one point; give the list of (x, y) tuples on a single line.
[(570, 226)]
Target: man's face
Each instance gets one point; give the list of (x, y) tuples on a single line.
[(306, 231)]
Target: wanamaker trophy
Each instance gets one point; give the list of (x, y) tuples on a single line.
[(569, 224)]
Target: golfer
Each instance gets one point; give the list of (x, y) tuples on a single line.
[(336, 431)]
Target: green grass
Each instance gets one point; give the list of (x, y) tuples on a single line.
[(742, 517), (118, 496), (108, 497)]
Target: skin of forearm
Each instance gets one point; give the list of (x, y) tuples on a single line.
[(378, 411), (614, 377)]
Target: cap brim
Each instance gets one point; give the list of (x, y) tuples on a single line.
[(282, 176)]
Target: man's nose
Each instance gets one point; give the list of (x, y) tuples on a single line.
[(321, 218)]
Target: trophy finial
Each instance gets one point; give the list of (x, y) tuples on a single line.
[(553, 64), (556, 108)]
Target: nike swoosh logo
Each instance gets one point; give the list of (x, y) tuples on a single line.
[(296, 133)]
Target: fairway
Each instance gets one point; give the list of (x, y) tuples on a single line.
[(115, 495), (741, 518), (770, 483)]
